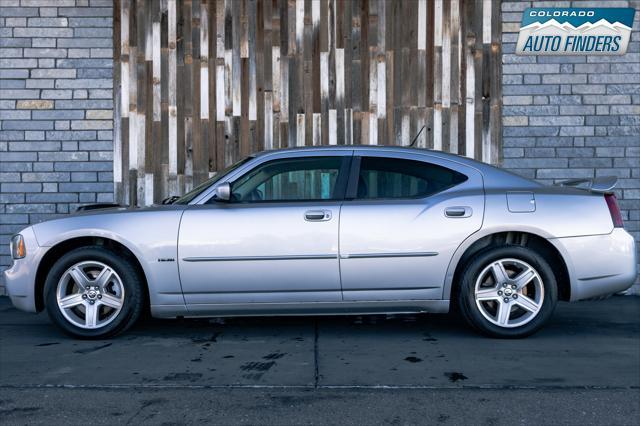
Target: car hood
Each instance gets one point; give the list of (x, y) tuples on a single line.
[(127, 209)]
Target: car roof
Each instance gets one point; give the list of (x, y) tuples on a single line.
[(394, 148), (493, 176)]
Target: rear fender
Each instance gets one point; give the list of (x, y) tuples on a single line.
[(477, 236)]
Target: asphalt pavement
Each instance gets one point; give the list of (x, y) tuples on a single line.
[(582, 368)]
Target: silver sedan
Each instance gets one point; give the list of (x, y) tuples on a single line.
[(332, 230)]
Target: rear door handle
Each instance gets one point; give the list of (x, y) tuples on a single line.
[(317, 215), (458, 211)]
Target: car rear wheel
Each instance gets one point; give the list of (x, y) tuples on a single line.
[(507, 292), (93, 293)]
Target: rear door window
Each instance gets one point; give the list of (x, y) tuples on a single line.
[(396, 178)]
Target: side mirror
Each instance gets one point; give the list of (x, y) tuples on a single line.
[(223, 192)]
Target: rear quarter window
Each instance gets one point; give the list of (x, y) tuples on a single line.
[(392, 178)]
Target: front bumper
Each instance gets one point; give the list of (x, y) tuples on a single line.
[(599, 265), (20, 278)]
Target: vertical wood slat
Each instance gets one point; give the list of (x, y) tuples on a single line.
[(201, 83), (120, 113), (470, 85), (200, 146), (142, 40), (447, 73), (211, 72), (173, 99), (455, 78), (204, 60), (495, 85), (486, 78), (437, 75)]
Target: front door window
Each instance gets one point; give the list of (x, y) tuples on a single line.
[(298, 179)]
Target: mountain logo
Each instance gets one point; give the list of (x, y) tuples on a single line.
[(575, 31)]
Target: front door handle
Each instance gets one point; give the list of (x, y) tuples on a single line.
[(317, 215), (458, 211)]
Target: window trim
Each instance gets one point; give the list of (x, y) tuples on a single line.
[(340, 186), (354, 174)]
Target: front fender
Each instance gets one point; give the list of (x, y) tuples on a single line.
[(150, 235)]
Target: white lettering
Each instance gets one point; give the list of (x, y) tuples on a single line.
[(559, 13)]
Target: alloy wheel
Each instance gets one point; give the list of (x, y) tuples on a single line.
[(509, 293), (90, 294)]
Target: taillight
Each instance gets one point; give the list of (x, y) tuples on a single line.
[(616, 216)]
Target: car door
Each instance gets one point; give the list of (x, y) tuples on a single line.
[(275, 241), (404, 216)]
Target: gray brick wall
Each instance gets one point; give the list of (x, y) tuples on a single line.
[(573, 116), (55, 110)]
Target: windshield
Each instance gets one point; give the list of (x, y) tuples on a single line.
[(189, 196)]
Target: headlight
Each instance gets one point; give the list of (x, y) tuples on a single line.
[(18, 248)]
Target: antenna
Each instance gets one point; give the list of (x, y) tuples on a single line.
[(416, 138)]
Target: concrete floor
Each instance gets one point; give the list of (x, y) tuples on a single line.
[(583, 368)]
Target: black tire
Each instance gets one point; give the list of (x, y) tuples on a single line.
[(131, 281), (467, 300)]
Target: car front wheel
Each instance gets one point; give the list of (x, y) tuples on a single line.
[(93, 293), (508, 292)]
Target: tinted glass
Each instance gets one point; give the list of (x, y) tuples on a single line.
[(397, 178), (296, 179)]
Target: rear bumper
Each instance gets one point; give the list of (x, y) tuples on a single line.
[(20, 278), (599, 265)]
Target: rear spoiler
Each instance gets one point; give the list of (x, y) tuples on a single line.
[(602, 184)]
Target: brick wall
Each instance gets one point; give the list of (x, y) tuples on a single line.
[(55, 110), (573, 116)]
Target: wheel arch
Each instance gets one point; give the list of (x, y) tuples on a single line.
[(62, 247), (526, 238)]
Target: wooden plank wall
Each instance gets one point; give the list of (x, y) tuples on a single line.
[(203, 83)]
